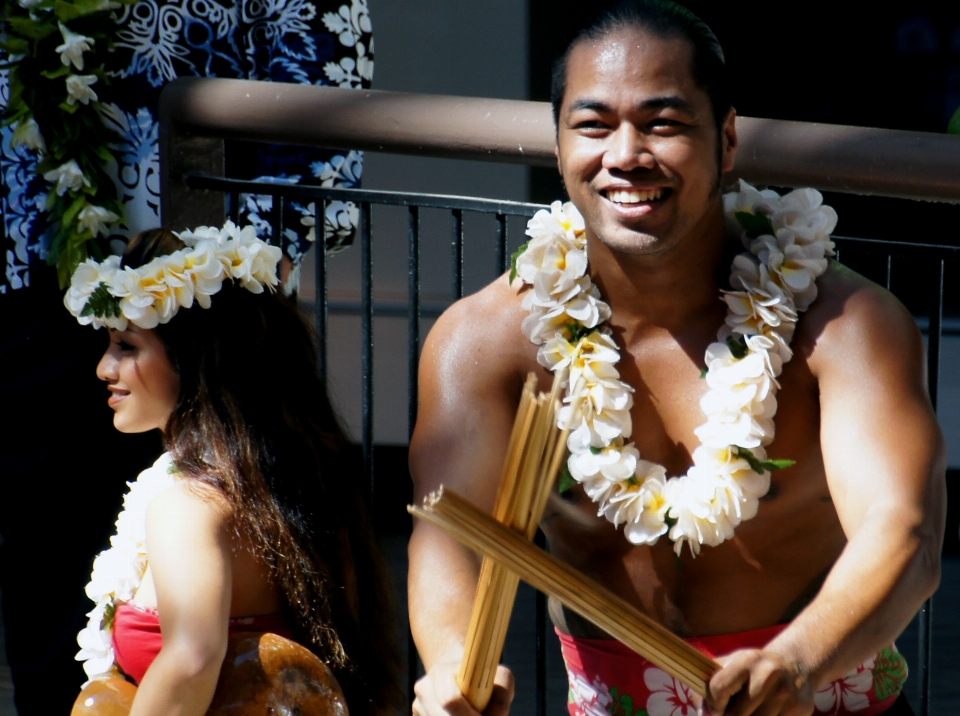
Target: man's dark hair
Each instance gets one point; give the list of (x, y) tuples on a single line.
[(664, 19)]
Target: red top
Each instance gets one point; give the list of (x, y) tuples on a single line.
[(137, 639)]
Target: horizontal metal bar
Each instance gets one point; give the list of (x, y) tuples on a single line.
[(374, 196), (898, 248), (858, 160)]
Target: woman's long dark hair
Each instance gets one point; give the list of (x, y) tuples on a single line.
[(254, 421)]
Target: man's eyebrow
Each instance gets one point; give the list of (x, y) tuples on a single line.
[(588, 104), (665, 102)]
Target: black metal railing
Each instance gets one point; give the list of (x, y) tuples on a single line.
[(938, 257)]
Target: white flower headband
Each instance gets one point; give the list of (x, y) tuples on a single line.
[(106, 294)]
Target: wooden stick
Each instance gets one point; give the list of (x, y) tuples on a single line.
[(583, 595), (534, 454)]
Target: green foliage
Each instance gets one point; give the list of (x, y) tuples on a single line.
[(954, 126), (513, 260), (738, 347), (754, 224), (102, 304), (566, 479), (761, 467), (38, 91)]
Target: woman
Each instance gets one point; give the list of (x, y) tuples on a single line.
[(250, 520)]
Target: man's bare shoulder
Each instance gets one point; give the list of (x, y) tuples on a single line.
[(855, 319), (479, 338)]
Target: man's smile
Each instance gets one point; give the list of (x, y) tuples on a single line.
[(635, 202)]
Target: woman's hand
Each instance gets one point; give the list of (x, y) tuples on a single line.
[(189, 544)]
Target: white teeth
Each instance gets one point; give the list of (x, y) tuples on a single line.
[(623, 196)]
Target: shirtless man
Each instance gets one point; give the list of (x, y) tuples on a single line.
[(846, 544)]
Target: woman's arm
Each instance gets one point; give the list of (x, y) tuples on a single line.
[(189, 544)]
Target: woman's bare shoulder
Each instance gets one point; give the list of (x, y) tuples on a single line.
[(189, 505)]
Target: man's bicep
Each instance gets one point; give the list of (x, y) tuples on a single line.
[(881, 443), (465, 416)]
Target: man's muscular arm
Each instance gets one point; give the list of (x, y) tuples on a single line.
[(884, 460), (470, 382)]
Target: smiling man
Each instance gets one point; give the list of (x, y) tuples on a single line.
[(802, 602)]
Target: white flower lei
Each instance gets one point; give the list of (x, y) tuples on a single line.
[(104, 294), (117, 571), (788, 242)]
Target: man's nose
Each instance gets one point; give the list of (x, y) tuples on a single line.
[(628, 150)]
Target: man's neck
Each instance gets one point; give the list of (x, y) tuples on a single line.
[(672, 289)]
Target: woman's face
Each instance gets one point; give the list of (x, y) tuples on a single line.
[(142, 381)]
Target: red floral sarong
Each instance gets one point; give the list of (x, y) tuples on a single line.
[(608, 679)]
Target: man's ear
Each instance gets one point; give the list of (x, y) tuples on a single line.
[(729, 141), (556, 153)]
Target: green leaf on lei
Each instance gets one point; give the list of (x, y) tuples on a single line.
[(15, 46), (703, 372), (566, 479), (761, 467), (513, 260), (889, 673), (102, 304), (109, 614), (754, 224), (738, 347)]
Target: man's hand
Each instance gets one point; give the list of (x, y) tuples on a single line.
[(758, 683), (438, 693)]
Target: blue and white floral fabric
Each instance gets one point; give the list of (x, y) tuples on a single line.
[(323, 42)]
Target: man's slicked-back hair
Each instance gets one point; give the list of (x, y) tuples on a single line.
[(663, 19)]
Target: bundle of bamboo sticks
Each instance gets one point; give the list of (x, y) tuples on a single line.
[(577, 592), (534, 455)]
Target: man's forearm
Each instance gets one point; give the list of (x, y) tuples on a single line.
[(876, 586), (442, 583)]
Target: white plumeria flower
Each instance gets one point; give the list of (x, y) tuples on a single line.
[(736, 386), (761, 306), (613, 463), (557, 280), (78, 89), (85, 280), (67, 177), (641, 504), (597, 411), (745, 430), (563, 220), (27, 134), (73, 47), (534, 256), (96, 219)]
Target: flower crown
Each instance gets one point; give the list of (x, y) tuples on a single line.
[(106, 294)]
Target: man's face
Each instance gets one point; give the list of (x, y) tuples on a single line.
[(637, 143)]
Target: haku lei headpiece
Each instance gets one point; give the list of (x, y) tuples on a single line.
[(106, 294), (788, 242)]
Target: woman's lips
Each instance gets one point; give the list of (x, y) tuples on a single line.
[(116, 396)]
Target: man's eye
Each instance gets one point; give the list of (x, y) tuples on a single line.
[(590, 124)]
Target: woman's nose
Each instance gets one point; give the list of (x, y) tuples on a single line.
[(107, 367)]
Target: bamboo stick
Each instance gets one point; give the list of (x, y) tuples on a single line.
[(583, 595), (534, 454)]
